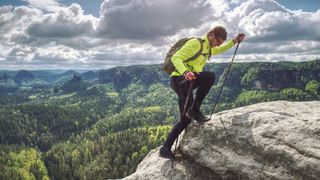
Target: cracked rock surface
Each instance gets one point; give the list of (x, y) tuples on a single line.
[(272, 140)]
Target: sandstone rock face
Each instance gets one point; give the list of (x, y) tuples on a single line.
[(273, 140)]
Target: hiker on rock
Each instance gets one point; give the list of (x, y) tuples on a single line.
[(187, 64)]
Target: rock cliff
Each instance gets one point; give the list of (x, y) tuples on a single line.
[(273, 140)]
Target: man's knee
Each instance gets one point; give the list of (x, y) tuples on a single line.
[(185, 121), (210, 78)]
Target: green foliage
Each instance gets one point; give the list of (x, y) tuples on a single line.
[(249, 78), (130, 94), (7, 99), (41, 125), (99, 100), (235, 74), (228, 94), (137, 95), (309, 70), (25, 163), (295, 94), (313, 87), (114, 155), (8, 85), (132, 118), (256, 96), (251, 97), (98, 89)]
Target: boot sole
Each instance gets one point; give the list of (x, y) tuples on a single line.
[(187, 114), (167, 157)]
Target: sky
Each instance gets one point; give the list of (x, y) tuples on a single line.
[(100, 34)]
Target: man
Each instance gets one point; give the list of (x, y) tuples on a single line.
[(191, 71)]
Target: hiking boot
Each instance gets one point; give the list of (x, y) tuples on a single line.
[(198, 116), (166, 152)]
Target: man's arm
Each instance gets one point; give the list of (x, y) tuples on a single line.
[(187, 51), (224, 47)]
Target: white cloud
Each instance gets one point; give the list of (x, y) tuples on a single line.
[(47, 5), (266, 21), (47, 34), (66, 23), (148, 19), (14, 21)]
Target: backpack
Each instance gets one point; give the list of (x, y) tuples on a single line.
[(168, 66)]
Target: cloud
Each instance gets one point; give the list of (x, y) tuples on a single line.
[(47, 5), (268, 21), (49, 55), (5, 14), (67, 23), (68, 26), (149, 19), (13, 22), (136, 53), (47, 34), (272, 30)]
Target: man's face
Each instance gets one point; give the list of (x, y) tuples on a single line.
[(215, 41)]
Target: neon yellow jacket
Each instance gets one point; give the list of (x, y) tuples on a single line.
[(190, 49)]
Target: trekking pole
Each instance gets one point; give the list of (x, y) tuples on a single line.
[(224, 80), (183, 113)]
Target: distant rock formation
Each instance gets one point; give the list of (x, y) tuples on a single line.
[(89, 75), (273, 140), (73, 85), (121, 77), (278, 79), (23, 76)]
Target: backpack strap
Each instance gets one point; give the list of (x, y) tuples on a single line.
[(209, 53), (195, 56)]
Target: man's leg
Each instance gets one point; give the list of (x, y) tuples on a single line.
[(204, 82), (178, 127), (182, 91)]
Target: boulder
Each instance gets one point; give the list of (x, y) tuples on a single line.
[(272, 140)]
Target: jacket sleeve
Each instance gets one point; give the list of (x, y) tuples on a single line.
[(224, 47), (187, 51)]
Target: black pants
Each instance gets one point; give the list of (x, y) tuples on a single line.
[(203, 83)]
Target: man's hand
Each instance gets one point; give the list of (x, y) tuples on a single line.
[(239, 38), (188, 75)]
